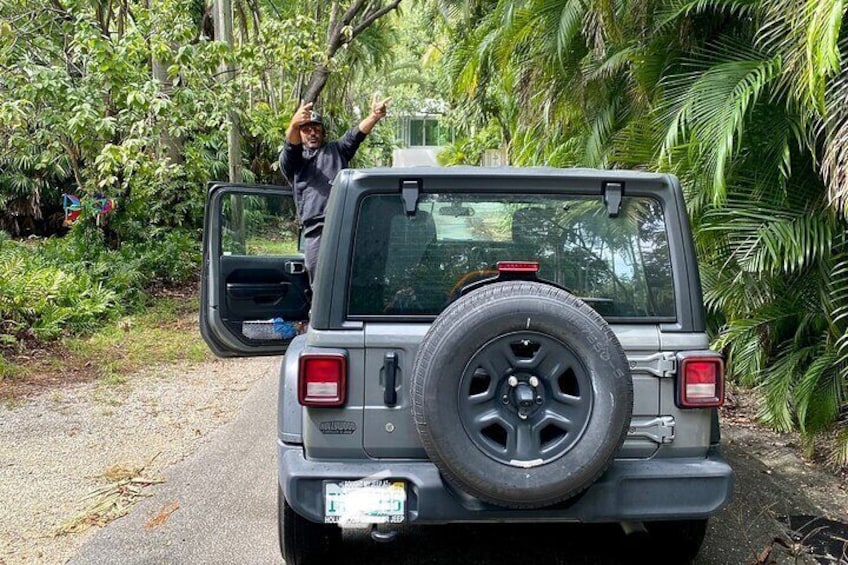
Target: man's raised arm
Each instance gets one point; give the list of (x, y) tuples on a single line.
[(292, 154), (300, 117), (378, 112)]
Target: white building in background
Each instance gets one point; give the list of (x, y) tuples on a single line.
[(421, 136)]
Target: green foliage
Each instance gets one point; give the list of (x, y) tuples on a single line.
[(128, 100), (39, 300), (75, 284), (164, 332), (377, 151), (469, 150), (745, 102)]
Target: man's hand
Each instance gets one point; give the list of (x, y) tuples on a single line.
[(378, 107), (302, 115), (378, 112)]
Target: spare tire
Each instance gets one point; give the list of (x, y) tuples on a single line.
[(522, 394)]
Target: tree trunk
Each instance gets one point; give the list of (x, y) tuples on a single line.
[(316, 83), (223, 15), (337, 36), (170, 147)]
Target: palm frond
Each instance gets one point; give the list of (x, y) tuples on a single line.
[(614, 63), (805, 34), (673, 10), (789, 245), (709, 105), (635, 144), (771, 237), (838, 456), (746, 358), (836, 293), (816, 393), (777, 383), (601, 129), (835, 162), (569, 23)]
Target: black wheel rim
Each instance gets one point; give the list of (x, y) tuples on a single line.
[(525, 399)]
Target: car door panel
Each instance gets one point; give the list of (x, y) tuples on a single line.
[(254, 289), (262, 287)]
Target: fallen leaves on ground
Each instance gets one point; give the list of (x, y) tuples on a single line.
[(111, 501), (162, 516)]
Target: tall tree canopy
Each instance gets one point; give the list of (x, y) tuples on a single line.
[(122, 97)]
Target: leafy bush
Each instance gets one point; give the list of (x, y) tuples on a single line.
[(73, 285), (39, 299)]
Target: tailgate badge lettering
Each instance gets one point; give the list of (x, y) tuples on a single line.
[(336, 427)]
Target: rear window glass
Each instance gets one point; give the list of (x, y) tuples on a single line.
[(418, 265)]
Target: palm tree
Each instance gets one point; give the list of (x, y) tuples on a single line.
[(744, 101)]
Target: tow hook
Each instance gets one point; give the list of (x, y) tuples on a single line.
[(381, 536)]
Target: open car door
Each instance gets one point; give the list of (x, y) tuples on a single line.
[(254, 283)]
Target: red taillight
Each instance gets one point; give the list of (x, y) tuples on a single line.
[(518, 266), (701, 382), (322, 380)]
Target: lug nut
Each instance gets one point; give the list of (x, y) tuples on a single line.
[(512, 381), (505, 399), (534, 381), (522, 415), (539, 400)]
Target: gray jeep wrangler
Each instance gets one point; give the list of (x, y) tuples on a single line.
[(483, 345)]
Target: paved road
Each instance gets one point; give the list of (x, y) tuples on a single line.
[(227, 514), (226, 494)]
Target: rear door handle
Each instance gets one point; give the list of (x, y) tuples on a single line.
[(390, 362)]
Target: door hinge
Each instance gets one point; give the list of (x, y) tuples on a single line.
[(409, 192), (613, 193), (659, 430), (667, 365), (659, 364)]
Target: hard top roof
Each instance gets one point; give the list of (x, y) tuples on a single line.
[(507, 172)]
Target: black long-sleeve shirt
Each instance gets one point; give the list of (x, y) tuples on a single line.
[(311, 173)]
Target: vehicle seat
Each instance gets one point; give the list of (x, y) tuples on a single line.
[(409, 236)]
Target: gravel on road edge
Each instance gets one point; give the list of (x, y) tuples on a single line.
[(61, 446)]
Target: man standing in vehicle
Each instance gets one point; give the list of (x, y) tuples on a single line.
[(310, 165)]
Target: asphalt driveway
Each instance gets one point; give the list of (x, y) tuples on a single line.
[(219, 506)]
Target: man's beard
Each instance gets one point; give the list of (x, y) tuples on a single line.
[(312, 143)]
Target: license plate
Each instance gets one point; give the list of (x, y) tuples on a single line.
[(364, 502)]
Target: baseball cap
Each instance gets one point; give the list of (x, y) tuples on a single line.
[(314, 118)]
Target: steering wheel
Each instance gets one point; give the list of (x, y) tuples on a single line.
[(467, 279)]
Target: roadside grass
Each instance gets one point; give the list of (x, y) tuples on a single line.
[(165, 333), (8, 370)]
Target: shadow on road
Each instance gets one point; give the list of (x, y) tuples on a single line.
[(539, 544)]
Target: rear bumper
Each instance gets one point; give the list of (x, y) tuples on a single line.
[(663, 489)]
